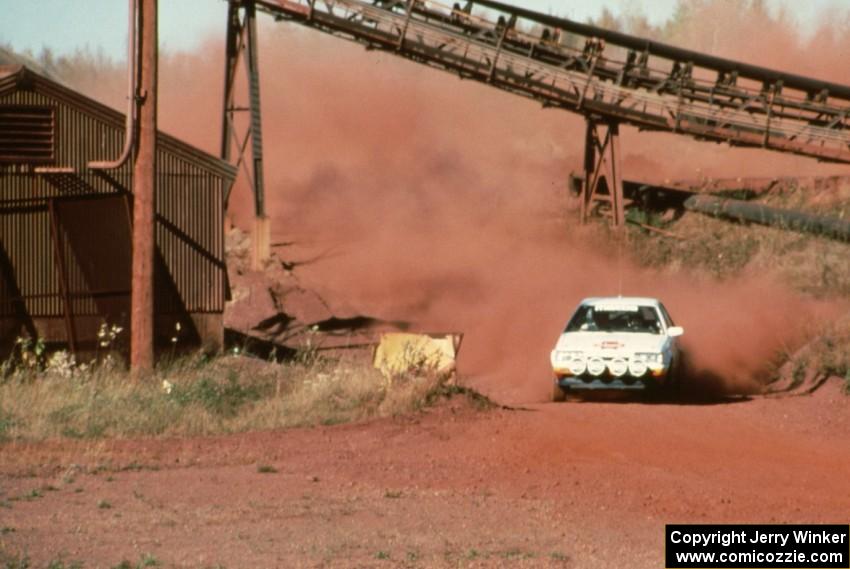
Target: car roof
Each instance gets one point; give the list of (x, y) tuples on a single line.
[(621, 300)]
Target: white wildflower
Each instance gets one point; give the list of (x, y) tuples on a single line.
[(61, 365)]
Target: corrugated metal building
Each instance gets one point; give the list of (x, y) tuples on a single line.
[(65, 229)]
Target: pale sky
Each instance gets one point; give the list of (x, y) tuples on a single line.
[(64, 25)]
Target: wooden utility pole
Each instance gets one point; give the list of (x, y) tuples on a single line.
[(144, 194)]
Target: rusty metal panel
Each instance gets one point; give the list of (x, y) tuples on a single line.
[(25, 236), (189, 234), (95, 237), (77, 138), (93, 219)]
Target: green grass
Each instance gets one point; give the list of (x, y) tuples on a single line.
[(34, 494), (14, 562), (17, 562), (7, 422), (146, 560), (61, 564), (201, 396), (516, 553)]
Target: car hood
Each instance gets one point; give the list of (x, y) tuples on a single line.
[(612, 342)]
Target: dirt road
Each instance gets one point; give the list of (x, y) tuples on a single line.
[(587, 484)]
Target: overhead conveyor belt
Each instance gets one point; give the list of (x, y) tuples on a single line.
[(609, 77), (674, 53), (591, 70)]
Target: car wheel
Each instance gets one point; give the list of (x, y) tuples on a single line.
[(559, 394), (653, 389), (674, 381)]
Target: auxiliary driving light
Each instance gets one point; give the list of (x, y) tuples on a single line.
[(637, 368), (596, 366), (577, 366), (618, 367)]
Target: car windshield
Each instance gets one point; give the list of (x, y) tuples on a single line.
[(600, 318)]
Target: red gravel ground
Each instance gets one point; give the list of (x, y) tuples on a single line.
[(580, 484)]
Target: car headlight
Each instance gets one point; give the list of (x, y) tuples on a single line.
[(568, 355), (649, 357)]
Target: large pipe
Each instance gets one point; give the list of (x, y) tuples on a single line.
[(674, 53), (130, 120), (737, 210)]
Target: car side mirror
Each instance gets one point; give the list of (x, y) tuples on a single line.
[(674, 331)]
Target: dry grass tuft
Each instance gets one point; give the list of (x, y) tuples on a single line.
[(809, 264), (814, 266), (831, 350), (197, 396)]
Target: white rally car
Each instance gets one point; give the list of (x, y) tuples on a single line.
[(617, 343)]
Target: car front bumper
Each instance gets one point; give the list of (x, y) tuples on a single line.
[(596, 383)]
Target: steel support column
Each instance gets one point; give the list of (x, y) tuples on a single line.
[(242, 41), (603, 180), (232, 49)]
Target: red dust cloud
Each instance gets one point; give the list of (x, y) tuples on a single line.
[(442, 202)]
